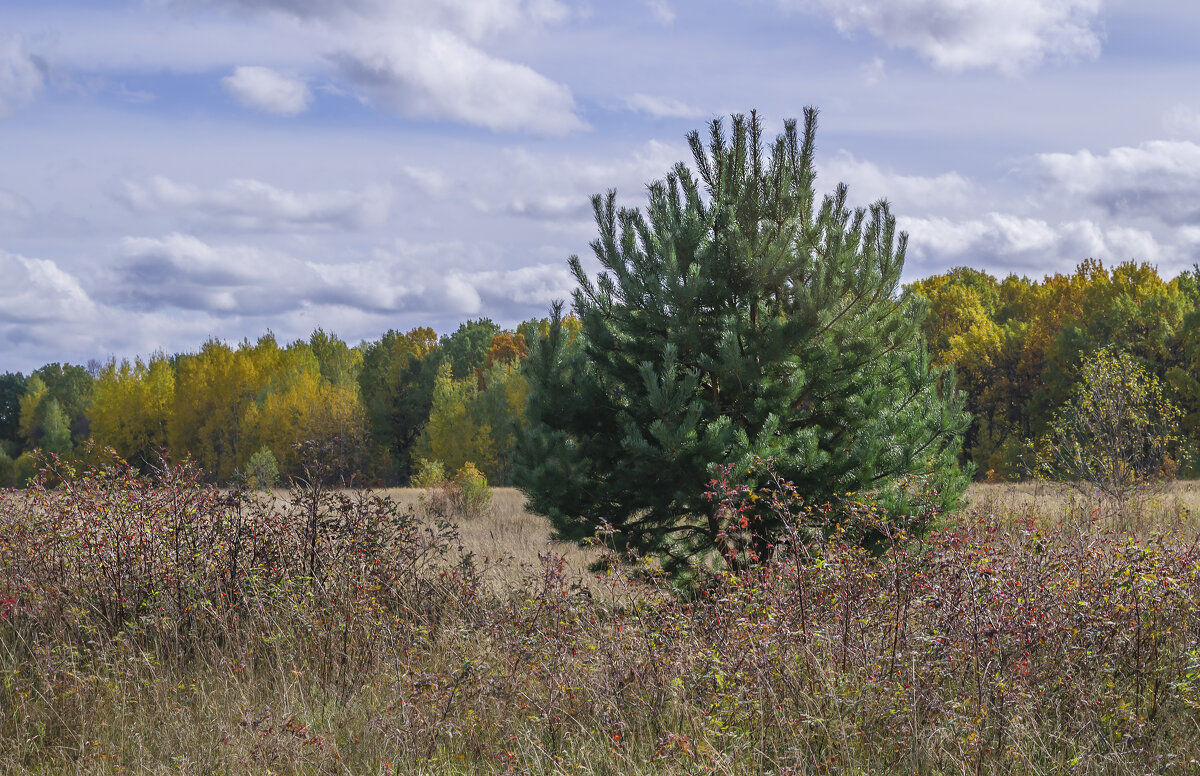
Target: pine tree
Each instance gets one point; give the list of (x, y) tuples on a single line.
[(734, 319)]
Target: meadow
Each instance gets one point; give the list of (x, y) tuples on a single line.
[(161, 626)]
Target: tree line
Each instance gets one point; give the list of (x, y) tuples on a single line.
[(379, 407), (1017, 347)]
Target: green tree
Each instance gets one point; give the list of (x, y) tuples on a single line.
[(56, 429), (70, 386), (455, 435), (396, 383), (1183, 371), (745, 320), (500, 405), (32, 410), (466, 350), (1116, 435), (12, 388), (262, 470), (340, 363)]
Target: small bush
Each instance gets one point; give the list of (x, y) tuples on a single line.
[(24, 468), (429, 474), (472, 494), (262, 470), (466, 496)]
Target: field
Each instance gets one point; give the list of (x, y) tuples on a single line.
[(164, 628)]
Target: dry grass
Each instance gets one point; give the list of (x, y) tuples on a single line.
[(997, 649), (507, 538), (1175, 504)]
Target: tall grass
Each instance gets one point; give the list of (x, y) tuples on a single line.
[(153, 625)]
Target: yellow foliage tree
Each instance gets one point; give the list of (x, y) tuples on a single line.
[(132, 405), (454, 434)]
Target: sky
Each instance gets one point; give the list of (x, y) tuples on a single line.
[(173, 171)]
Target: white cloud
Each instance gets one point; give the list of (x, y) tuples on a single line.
[(134, 96), (1011, 36), (557, 190), (262, 88), (182, 272), (867, 182), (536, 285), (1159, 179), (21, 75), (251, 205), (435, 74), (662, 107), (426, 179), (474, 19), (37, 291), (1005, 242)]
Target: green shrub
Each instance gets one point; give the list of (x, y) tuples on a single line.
[(24, 468), (472, 494), (429, 474), (262, 470)]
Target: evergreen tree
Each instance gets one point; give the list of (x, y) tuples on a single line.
[(12, 388), (734, 319)]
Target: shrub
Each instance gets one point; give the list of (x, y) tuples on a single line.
[(24, 468), (174, 564), (1117, 433), (262, 470), (473, 495), (429, 474), (466, 496)]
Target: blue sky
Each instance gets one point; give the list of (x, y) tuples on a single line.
[(175, 170)]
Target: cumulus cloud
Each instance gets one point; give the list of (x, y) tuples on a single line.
[(38, 291), (180, 271), (539, 183), (535, 285), (1011, 36), (262, 88), (868, 182), (251, 205), (662, 107), (184, 272), (1158, 179), (1003, 240), (411, 279), (425, 60), (21, 75), (475, 19), (435, 74)]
